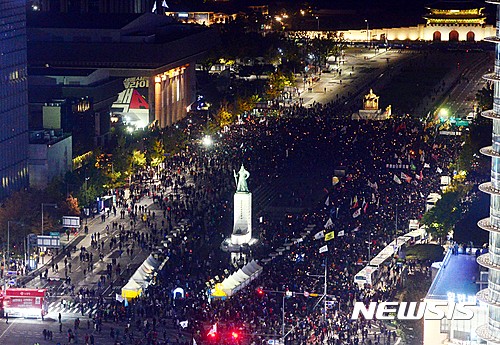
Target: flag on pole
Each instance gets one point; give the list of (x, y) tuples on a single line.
[(396, 179), (355, 202), (405, 177), (154, 8), (213, 330), (194, 341), (341, 233), (319, 235), (427, 165), (357, 228), (439, 170), (327, 201), (183, 324), (323, 249), (329, 236), (357, 213), (329, 223), (164, 4), (364, 209)]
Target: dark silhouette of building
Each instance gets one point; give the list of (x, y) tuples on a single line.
[(14, 134)]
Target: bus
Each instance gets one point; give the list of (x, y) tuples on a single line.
[(368, 275), (27, 303)]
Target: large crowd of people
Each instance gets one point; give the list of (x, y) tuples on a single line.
[(386, 169)]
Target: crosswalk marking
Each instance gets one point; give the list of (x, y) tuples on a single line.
[(55, 307)]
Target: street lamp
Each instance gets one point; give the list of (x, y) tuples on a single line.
[(367, 33), (53, 205), (6, 258), (207, 141), (317, 18), (88, 208)]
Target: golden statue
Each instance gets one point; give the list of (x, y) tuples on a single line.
[(371, 101)]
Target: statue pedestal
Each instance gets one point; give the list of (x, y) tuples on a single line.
[(241, 238), (242, 228)]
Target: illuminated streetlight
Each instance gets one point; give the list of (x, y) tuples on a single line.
[(207, 141)]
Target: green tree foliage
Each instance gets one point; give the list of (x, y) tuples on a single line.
[(479, 136), (442, 218), (224, 116), (174, 140), (246, 105), (138, 158), (485, 97), (277, 83), (157, 154)]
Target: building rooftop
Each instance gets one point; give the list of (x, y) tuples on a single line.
[(458, 275), (145, 43)]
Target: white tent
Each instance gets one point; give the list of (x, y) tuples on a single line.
[(151, 261), (241, 278), (131, 289)]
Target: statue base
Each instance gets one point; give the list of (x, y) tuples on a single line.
[(236, 243)]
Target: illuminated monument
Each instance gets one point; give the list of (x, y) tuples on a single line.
[(371, 109), (491, 331), (242, 228), (451, 21)]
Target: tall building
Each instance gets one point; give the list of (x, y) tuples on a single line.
[(14, 136), (491, 331)]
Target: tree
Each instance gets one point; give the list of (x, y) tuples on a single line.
[(158, 154), (485, 97), (138, 158), (224, 116), (441, 219), (70, 207), (246, 105), (277, 83)]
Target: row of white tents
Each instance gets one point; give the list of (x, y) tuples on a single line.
[(238, 280), (140, 279)]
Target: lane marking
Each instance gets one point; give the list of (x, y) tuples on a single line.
[(1, 335)]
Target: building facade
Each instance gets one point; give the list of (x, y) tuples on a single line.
[(451, 21), (491, 295), (50, 156), (142, 68), (14, 98)]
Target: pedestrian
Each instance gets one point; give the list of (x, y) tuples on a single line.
[(6, 317)]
